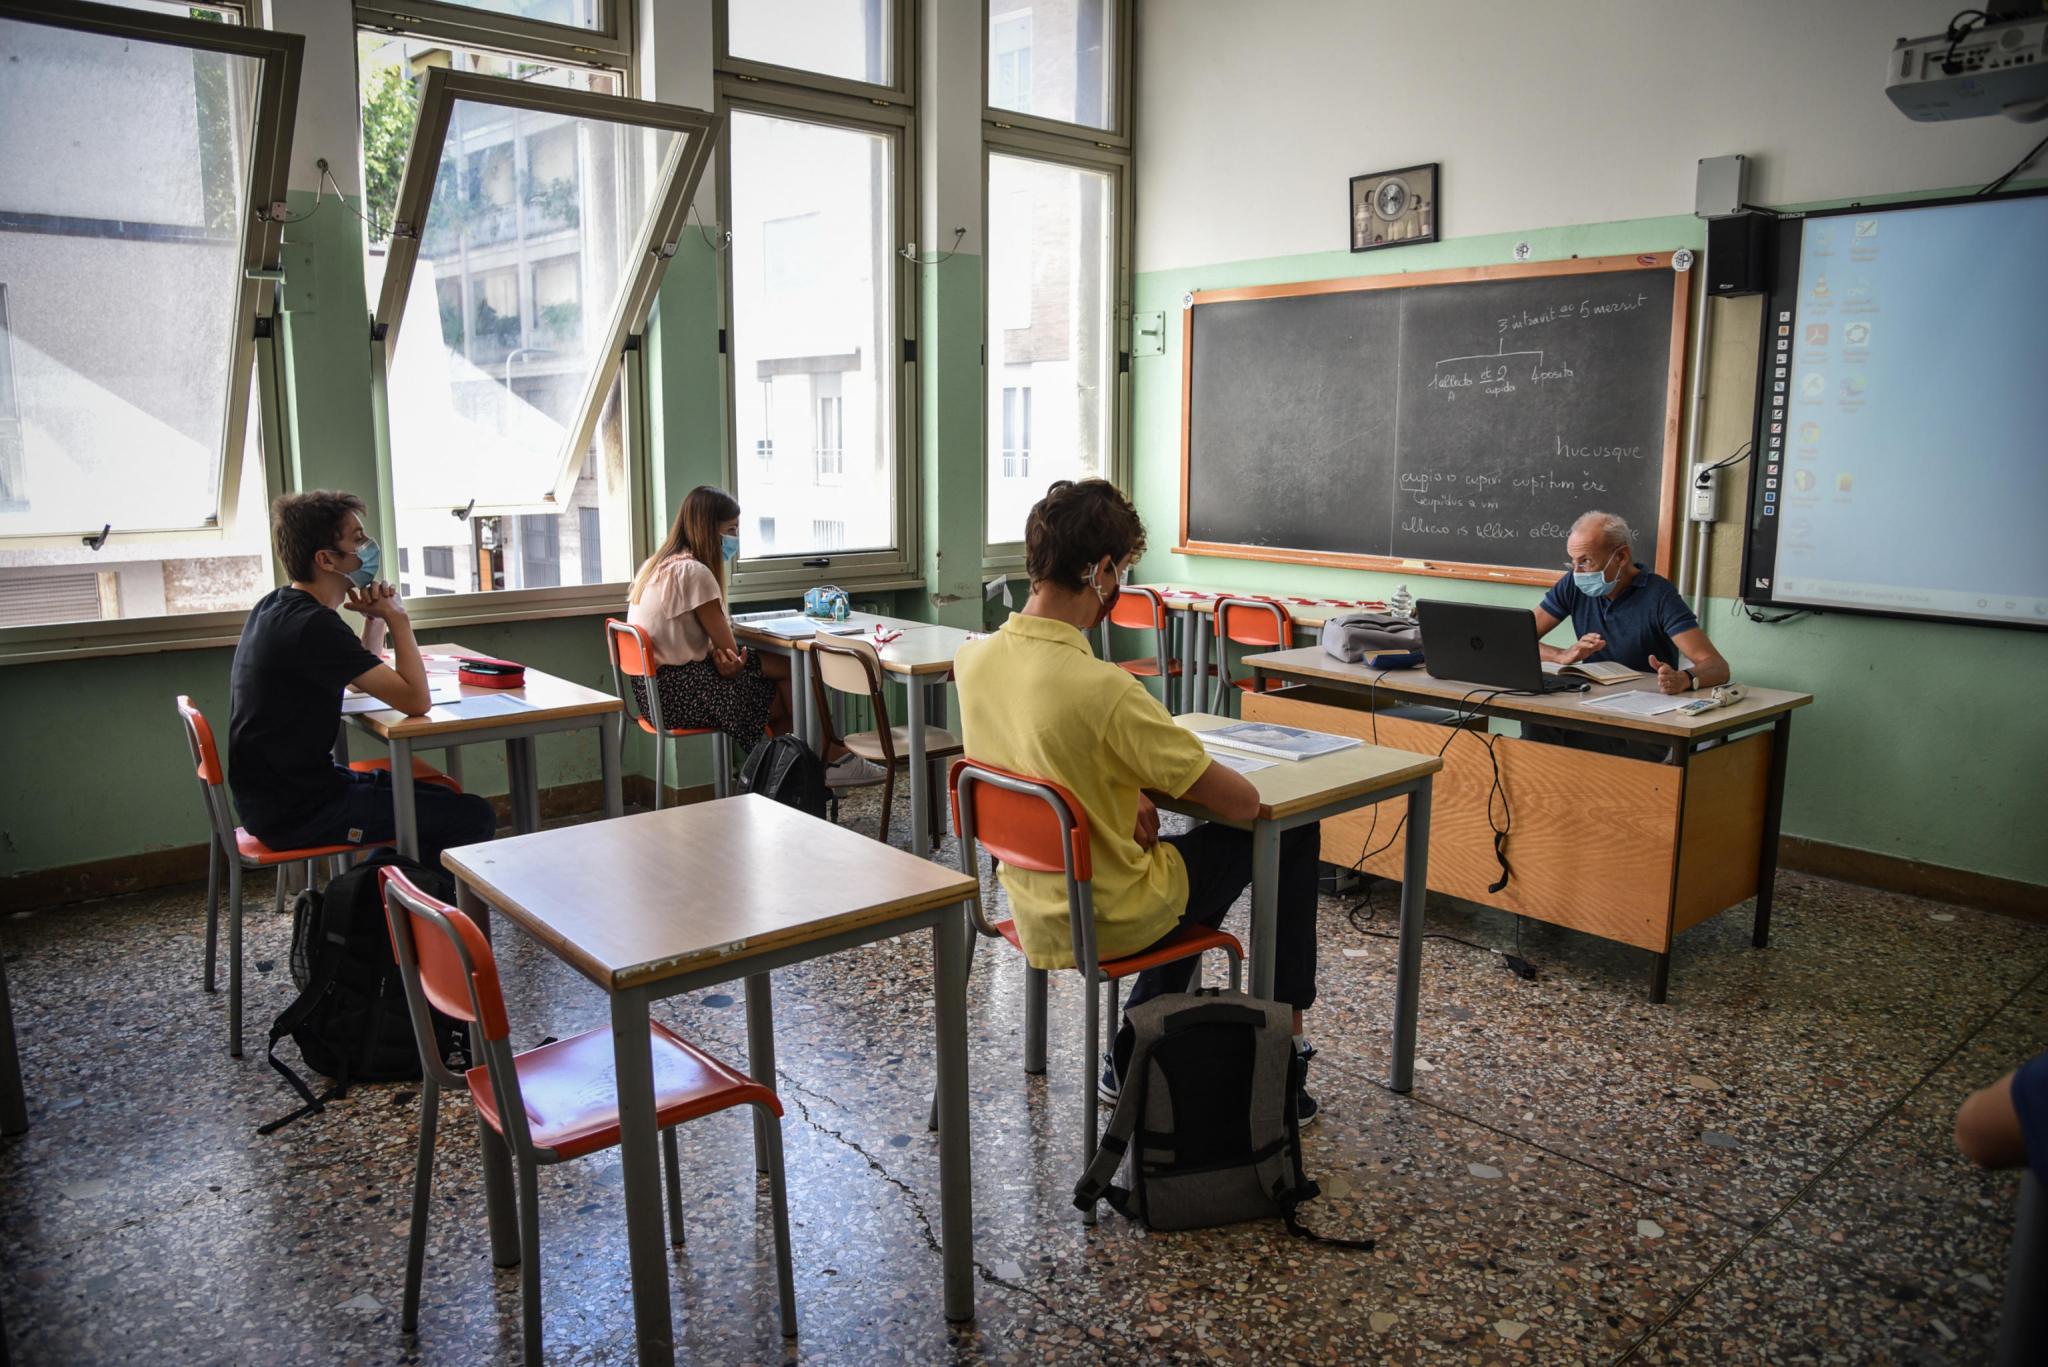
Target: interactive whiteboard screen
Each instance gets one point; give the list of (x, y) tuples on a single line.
[(1902, 443)]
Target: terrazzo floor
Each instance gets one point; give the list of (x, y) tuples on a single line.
[(1759, 1171)]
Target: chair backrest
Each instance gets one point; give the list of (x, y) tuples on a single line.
[(1255, 622), (212, 782), (632, 657), (1139, 608), (1028, 822), (848, 664)]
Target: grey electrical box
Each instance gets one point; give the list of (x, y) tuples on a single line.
[(1722, 188)]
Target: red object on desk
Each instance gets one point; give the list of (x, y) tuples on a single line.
[(481, 671)]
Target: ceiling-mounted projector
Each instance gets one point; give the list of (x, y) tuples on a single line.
[(1999, 68)]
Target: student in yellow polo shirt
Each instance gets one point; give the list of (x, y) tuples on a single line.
[(1035, 701)]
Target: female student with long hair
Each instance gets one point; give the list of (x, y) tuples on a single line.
[(705, 678)]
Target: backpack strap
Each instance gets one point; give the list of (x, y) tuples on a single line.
[(329, 948), (1096, 1183)]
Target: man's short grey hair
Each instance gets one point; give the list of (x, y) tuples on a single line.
[(1613, 529)]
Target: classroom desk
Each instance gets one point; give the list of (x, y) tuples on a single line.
[(13, 1101), (1622, 848), (675, 901), (558, 705), (1295, 792), (1194, 606), (809, 727), (920, 659)]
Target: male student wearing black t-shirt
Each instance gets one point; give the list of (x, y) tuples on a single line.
[(295, 656)]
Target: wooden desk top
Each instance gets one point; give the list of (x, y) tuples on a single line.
[(1313, 662), (643, 898), (923, 648), (552, 699), (1291, 786), (1308, 612)]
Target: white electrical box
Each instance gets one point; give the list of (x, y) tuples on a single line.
[(1722, 187), (1705, 487)]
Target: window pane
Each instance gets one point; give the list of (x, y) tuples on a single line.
[(148, 579), (1053, 59), (1050, 338), (140, 220), (813, 318), (846, 38), (533, 232), (584, 14)]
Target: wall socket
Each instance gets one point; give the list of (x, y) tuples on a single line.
[(1706, 482)]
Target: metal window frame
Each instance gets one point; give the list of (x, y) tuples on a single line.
[(269, 151), (1073, 152), (901, 89), (1117, 137), (697, 131), (873, 570), (609, 46)]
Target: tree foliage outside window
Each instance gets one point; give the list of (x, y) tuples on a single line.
[(390, 109)]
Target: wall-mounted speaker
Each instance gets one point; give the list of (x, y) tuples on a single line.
[(1739, 255)]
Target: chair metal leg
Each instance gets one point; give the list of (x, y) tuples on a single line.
[(1090, 1121), (1236, 971), (529, 1260), (721, 764), (234, 958), (660, 771), (212, 907), (422, 1198), (279, 908), (888, 803), (672, 1162), (778, 1201), (1034, 1019)]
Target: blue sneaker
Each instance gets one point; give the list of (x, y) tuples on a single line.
[(1109, 1087)]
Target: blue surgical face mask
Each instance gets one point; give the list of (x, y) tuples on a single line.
[(365, 574), (729, 546), (1595, 584)]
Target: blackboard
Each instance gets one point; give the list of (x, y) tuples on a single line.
[(1450, 422)]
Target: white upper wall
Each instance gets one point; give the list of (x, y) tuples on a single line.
[(1251, 118)]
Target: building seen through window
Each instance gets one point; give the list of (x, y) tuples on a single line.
[(844, 38), (1053, 59), (1051, 352), (813, 322)]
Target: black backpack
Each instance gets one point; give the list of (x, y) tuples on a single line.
[(783, 767), (1204, 1131), (350, 1020)]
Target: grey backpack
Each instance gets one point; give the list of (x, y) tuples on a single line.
[(1356, 635), (1205, 1131)]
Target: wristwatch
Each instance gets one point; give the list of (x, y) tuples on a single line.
[(1692, 681)]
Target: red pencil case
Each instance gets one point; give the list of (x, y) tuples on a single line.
[(480, 671)]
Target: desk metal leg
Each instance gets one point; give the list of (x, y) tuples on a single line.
[(451, 762), (403, 811), (1767, 854), (1408, 953), (802, 708), (1205, 696), (13, 1101), (920, 780), (640, 1157), (499, 1211), (950, 949), (1265, 905), (761, 1058), (611, 752)]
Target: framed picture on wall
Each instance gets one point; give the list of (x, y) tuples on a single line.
[(1396, 208)]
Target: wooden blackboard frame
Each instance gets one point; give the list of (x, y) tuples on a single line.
[(1667, 509)]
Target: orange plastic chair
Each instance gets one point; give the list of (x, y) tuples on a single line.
[(1248, 622), (1034, 824), (632, 655), (550, 1104), (229, 843), (1140, 609)]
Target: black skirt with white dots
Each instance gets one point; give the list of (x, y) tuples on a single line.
[(696, 695)]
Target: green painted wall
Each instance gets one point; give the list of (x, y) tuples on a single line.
[(1922, 741), (950, 470)]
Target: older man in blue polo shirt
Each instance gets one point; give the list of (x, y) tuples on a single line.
[(1623, 613)]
